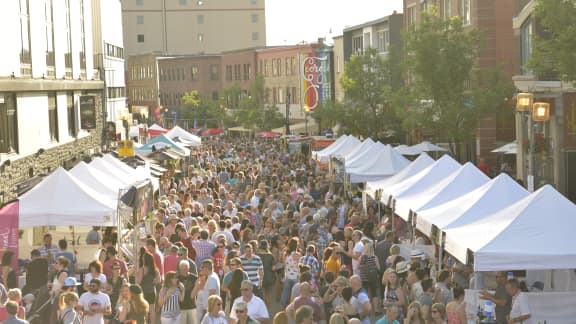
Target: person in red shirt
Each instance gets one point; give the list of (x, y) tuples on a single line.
[(218, 258), (186, 240), (171, 260), (158, 257), (111, 253), (483, 166)]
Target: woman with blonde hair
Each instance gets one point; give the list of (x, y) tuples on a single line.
[(170, 297), (394, 252), (369, 270), (136, 309), (438, 313), (67, 304), (281, 318), (414, 314), (337, 318), (214, 312)]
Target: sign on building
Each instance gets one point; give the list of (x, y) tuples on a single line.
[(88, 112), (316, 78)]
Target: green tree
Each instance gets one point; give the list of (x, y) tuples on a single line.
[(446, 91), (207, 112), (554, 48), (252, 113), (368, 85)]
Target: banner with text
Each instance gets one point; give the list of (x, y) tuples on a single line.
[(9, 231), (316, 84)]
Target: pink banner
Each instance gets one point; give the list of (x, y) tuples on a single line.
[(9, 231)]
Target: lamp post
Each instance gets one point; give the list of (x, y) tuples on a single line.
[(538, 112), (306, 112)]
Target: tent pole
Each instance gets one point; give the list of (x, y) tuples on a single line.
[(441, 252)]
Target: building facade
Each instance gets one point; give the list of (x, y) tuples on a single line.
[(51, 111), (109, 58), (493, 18), (338, 67), (380, 34), (554, 157), (192, 26)]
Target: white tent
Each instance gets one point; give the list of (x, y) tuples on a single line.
[(97, 180), (347, 145), (507, 148), (431, 175), (386, 163), (360, 148), (426, 195), (407, 150), (324, 155), (427, 147), (188, 137), (119, 164), (110, 169), (494, 195), (364, 157), (536, 232), (157, 127), (62, 200), (421, 163)]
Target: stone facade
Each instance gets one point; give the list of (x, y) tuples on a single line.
[(23, 171)]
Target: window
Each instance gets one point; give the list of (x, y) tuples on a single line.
[(274, 68), (367, 40), (265, 67), (140, 20), (357, 45), (114, 51), (279, 67), (411, 16), (200, 19), (525, 45), (383, 40), (253, 1), (49, 17), (53, 116), (228, 72), (247, 71), (82, 53), (292, 66), (236, 72), (8, 123), (183, 2), (447, 9), (255, 36), (140, 3), (25, 56), (466, 12), (254, 18), (140, 38), (214, 75), (68, 52), (281, 95), (194, 72), (116, 92)]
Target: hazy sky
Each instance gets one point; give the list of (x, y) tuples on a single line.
[(292, 21)]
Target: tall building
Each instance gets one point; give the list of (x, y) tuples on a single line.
[(379, 34), (109, 58), (192, 26), (50, 94), (493, 18)]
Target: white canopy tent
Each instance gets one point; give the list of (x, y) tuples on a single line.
[(426, 195), (329, 148), (422, 162), (364, 157), (494, 195), (534, 233), (187, 137), (360, 148), (439, 170), (119, 164), (427, 147), (407, 150), (347, 146), (97, 180), (62, 200), (324, 155), (386, 163), (117, 174), (509, 148), (156, 127)]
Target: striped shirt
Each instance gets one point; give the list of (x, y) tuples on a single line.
[(203, 249), (311, 260), (171, 307), (251, 266)]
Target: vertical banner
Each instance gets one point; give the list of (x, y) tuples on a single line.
[(315, 75), (9, 231), (570, 121), (87, 112)]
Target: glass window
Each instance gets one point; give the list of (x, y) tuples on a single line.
[(447, 9), (254, 18), (71, 114), (255, 36), (194, 72), (214, 75), (140, 38), (525, 45), (200, 19), (49, 16), (53, 116), (183, 2), (8, 123), (140, 20), (139, 3), (383, 40), (466, 12)]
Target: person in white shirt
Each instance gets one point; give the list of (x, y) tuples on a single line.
[(257, 309), (95, 304), (520, 312)]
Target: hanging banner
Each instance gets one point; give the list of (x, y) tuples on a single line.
[(570, 121), (88, 112), (9, 231), (315, 75)]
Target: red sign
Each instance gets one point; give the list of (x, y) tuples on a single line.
[(570, 121), (9, 231)]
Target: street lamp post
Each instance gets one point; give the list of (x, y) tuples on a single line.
[(538, 112), (306, 112)]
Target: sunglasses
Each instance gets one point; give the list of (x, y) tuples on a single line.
[(241, 311), (218, 304), (245, 289), (434, 312)]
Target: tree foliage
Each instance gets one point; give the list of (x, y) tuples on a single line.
[(206, 112), (554, 48), (252, 113), (368, 83)]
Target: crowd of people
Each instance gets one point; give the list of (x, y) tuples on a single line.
[(251, 234)]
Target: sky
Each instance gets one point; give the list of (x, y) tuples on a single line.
[(289, 22)]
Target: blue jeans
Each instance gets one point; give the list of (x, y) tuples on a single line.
[(286, 290)]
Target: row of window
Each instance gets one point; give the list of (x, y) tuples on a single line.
[(142, 72), (140, 38), (9, 120), (113, 51), (274, 67), (140, 3), (464, 11), (116, 92), (381, 43), (199, 19), (175, 99), (142, 94), (181, 74), (238, 72), (279, 95)]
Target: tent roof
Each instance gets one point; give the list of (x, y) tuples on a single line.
[(63, 200), (427, 147), (157, 127), (97, 180), (163, 140), (110, 169), (347, 146), (365, 144), (467, 178), (328, 149), (534, 233), (387, 162), (407, 150), (364, 157), (431, 175), (423, 161), (494, 195), (119, 164), (338, 147), (183, 134)]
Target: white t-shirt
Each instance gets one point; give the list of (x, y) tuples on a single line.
[(358, 248), (90, 301), (521, 307), (102, 277), (212, 282), (256, 308)]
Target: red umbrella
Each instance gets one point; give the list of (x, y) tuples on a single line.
[(212, 131), (268, 134)]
